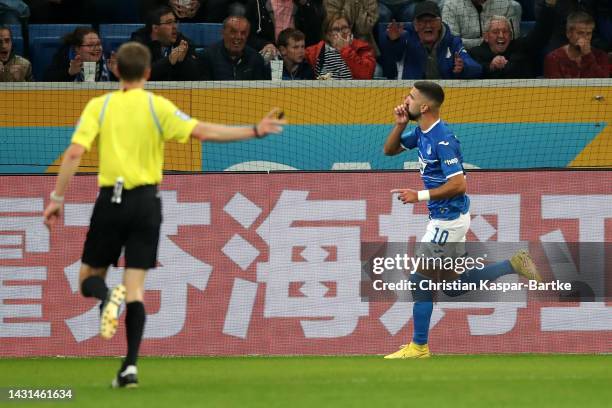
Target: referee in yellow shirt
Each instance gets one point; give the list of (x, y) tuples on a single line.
[(131, 125)]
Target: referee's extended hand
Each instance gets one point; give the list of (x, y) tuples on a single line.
[(406, 195), (52, 213), (271, 123)]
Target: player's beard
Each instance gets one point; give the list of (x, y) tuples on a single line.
[(414, 116)]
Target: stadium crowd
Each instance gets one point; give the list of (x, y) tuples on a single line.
[(316, 39)]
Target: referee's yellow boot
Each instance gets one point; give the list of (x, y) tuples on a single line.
[(411, 350), (109, 320), (523, 264)]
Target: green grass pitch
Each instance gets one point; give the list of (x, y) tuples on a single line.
[(354, 381)]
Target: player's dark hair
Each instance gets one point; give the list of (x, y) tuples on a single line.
[(154, 17), (431, 91), (132, 61), (287, 34)]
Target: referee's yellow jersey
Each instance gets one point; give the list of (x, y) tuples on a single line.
[(132, 127)]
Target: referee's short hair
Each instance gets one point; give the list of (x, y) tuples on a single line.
[(431, 91), (133, 59)]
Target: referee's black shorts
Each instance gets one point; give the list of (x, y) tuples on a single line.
[(133, 224)]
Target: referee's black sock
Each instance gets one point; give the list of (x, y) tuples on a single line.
[(94, 286), (134, 325)]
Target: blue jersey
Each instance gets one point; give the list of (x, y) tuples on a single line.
[(440, 158)]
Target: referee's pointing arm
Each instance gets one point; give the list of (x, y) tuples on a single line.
[(213, 132)]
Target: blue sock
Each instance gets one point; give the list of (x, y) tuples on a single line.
[(489, 272), (421, 311), (421, 316)]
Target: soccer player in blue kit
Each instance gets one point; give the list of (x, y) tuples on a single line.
[(441, 168)]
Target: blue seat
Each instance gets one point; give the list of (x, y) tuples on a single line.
[(202, 34), (45, 41), (42, 50), (56, 31), (113, 35), (17, 38)]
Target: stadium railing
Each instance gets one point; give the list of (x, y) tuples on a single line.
[(502, 124)]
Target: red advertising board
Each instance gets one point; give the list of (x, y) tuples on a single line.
[(270, 264)]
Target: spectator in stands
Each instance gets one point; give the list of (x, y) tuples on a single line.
[(13, 12), (563, 10), (504, 57), (173, 54), (363, 14), (231, 58), (13, 68), (80, 46), (466, 18), (577, 59), (398, 10), (291, 44), (340, 56), (269, 18), (427, 49)]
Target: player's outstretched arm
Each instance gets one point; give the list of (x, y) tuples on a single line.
[(214, 132)]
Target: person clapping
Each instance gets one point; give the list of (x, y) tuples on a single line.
[(81, 58)]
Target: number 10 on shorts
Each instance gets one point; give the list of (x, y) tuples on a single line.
[(440, 237)]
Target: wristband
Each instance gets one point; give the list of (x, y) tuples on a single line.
[(55, 198), (423, 195), (257, 135)]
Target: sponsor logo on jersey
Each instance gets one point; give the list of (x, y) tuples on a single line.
[(452, 161)]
